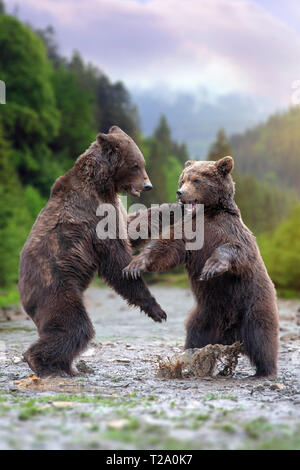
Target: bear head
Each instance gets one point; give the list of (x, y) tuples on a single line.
[(127, 163), (111, 164), (207, 182)]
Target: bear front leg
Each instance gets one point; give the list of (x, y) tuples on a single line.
[(154, 220), (229, 257), (135, 292), (159, 255)]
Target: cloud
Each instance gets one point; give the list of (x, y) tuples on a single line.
[(225, 45)]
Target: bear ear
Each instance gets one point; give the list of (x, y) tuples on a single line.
[(106, 140), (102, 138), (188, 163), (225, 165), (115, 130)]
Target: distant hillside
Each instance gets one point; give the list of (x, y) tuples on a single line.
[(271, 151), (195, 117)]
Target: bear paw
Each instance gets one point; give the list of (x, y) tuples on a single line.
[(157, 314), (213, 268), (135, 268)]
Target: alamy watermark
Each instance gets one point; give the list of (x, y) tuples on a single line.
[(2, 92), (168, 221)]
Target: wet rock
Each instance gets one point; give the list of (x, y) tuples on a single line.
[(111, 295), (277, 386), (63, 404), (118, 424), (290, 337), (55, 384), (210, 361), (17, 360), (259, 387), (84, 368), (89, 352)]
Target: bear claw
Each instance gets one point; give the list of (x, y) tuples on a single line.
[(134, 270), (131, 273), (213, 268)]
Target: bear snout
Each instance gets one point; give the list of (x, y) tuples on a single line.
[(147, 187)]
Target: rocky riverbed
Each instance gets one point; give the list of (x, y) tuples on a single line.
[(118, 402)]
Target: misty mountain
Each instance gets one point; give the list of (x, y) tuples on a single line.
[(196, 117)]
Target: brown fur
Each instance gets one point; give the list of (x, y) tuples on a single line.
[(63, 252), (235, 298)]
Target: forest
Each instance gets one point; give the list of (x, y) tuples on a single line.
[(54, 108)]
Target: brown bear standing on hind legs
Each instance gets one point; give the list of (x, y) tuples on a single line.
[(63, 252), (235, 298)]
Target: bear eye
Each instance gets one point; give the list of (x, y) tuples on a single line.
[(196, 181), (135, 167)]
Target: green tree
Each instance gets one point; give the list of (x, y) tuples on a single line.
[(263, 206), (48, 37), (76, 105), (181, 152), (30, 117), (270, 151), (281, 253), (15, 220), (162, 134), (220, 148), (163, 166), (115, 107)]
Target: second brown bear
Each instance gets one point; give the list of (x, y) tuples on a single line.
[(235, 298)]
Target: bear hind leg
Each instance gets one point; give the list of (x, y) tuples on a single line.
[(260, 344), (199, 334), (65, 331)]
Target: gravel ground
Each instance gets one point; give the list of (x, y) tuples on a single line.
[(119, 403)]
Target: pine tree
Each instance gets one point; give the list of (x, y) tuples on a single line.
[(162, 134), (15, 220), (30, 117), (220, 148)]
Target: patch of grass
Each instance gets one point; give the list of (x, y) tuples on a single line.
[(257, 427), (202, 417), (10, 297), (85, 414), (29, 409), (93, 428), (280, 443), (214, 396), (169, 279), (3, 398), (287, 293), (95, 399), (148, 437), (151, 398), (283, 437), (229, 428)]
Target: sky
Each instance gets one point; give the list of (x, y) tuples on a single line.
[(224, 46), (204, 64)]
